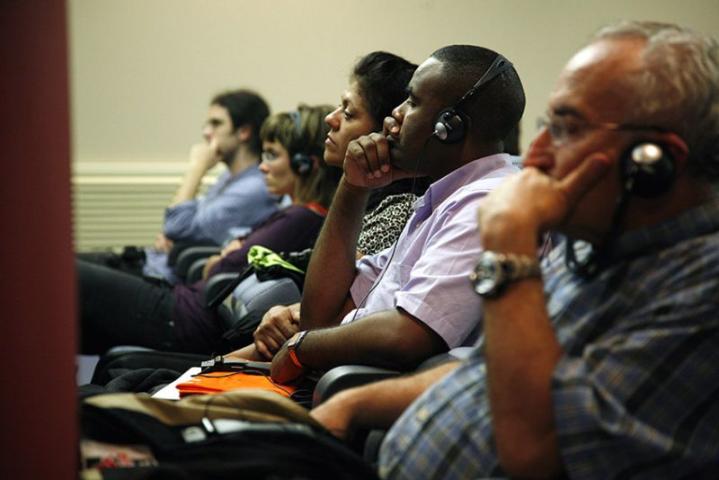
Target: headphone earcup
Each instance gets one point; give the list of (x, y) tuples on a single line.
[(450, 126), (648, 169), (301, 164)]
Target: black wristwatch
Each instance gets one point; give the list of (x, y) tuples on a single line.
[(293, 344), (495, 270)]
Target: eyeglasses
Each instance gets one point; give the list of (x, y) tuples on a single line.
[(566, 127)]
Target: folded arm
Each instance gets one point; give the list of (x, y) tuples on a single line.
[(377, 405), (391, 338), (332, 268)]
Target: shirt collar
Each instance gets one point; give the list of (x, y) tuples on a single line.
[(249, 171), (691, 223), (450, 183)]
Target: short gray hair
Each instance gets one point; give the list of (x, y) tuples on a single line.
[(678, 88)]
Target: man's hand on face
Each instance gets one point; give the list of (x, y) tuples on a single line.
[(205, 155), (276, 327), (533, 202), (367, 163)]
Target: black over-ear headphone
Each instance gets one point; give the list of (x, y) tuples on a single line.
[(452, 123), (300, 162), (647, 169)]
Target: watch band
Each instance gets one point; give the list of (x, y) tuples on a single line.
[(517, 267), (494, 271), (294, 345)]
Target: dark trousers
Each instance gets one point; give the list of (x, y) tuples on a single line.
[(117, 308)]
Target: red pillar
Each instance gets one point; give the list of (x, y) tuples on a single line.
[(37, 285)]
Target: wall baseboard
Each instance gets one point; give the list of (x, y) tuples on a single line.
[(123, 203)]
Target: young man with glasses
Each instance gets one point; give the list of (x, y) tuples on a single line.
[(603, 364)]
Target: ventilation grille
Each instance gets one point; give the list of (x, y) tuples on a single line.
[(117, 204)]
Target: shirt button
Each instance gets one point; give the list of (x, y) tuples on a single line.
[(422, 414)]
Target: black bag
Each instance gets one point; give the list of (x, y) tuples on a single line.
[(131, 260), (123, 360), (238, 435)]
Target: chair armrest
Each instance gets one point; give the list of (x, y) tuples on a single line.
[(180, 246), (254, 297), (215, 286), (348, 376), (190, 255), (194, 273)]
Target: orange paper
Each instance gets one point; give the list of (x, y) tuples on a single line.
[(218, 382)]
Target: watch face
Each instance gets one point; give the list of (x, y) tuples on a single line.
[(495, 270), (487, 274)]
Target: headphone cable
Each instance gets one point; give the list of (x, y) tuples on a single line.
[(597, 258)]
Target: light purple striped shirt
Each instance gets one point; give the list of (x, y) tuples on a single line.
[(433, 256)]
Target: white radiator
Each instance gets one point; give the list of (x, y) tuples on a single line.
[(122, 203)]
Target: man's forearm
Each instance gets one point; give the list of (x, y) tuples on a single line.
[(190, 184), (521, 352), (332, 268), (389, 339), (379, 404)]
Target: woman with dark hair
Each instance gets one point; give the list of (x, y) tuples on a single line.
[(121, 309), (378, 83)]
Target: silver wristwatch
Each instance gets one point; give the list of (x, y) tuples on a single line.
[(495, 270)]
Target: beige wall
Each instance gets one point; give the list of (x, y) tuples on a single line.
[(142, 71)]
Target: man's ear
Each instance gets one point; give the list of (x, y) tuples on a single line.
[(244, 133)]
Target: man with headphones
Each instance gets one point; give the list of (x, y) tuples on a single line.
[(412, 301), (603, 363)]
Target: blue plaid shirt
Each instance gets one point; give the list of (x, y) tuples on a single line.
[(636, 394)]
